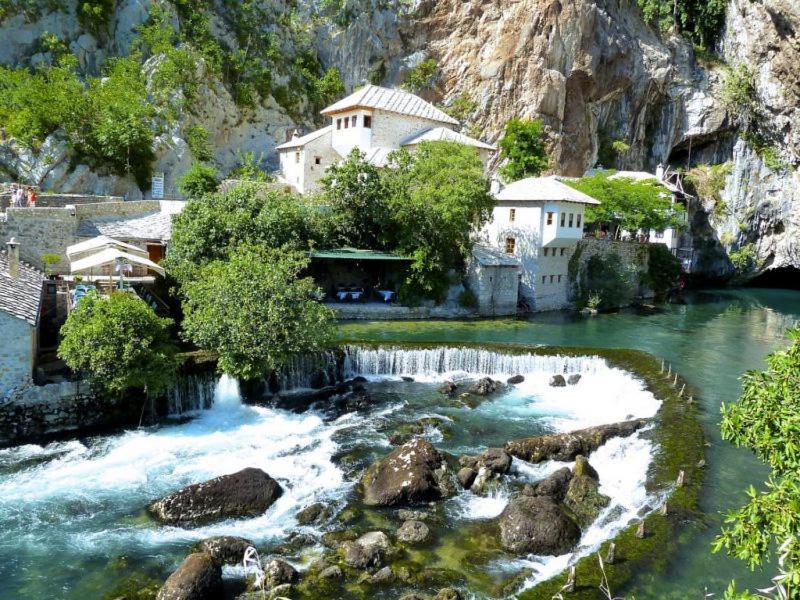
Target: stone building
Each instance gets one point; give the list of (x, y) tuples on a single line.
[(20, 307), (493, 276), (539, 220), (376, 120)]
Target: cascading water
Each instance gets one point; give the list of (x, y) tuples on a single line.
[(191, 393), (309, 370)]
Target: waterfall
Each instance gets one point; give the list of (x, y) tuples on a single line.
[(191, 392), (312, 370), (431, 362)]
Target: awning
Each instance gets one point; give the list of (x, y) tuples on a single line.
[(356, 254), (110, 256), (102, 242)]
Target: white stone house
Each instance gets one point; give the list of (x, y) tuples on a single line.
[(377, 121), (20, 307), (539, 221)]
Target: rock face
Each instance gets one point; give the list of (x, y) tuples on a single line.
[(566, 446), (412, 474), (198, 578), (536, 524), (247, 493), (226, 549)]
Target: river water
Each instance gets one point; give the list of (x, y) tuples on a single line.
[(72, 520)]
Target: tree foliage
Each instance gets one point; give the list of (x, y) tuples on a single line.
[(699, 20), (211, 228), (766, 419), (198, 181), (119, 343), (422, 76), (663, 269), (523, 147), (629, 204), (255, 311), (605, 277)]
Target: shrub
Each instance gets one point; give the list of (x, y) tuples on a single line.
[(460, 107), (663, 270), (95, 14), (709, 180), (197, 141), (422, 76), (523, 148), (743, 258), (198, 181), (606, 276), (249, 168), (700, 20), (467, 299)]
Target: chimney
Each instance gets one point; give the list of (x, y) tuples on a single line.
[(13, 258)]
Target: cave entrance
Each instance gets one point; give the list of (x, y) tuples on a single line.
[(787, 278)]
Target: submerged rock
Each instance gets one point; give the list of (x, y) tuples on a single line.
[(485, 386), (514, 380), (413, 532), (566, 446), (536, 524), (382, 576), (225, 549), (414, 473), (198, 578), (582, 496), (558, 381), (247, 493), (362, 556), (574, 378)]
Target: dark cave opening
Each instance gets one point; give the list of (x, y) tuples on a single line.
[(787, 278)]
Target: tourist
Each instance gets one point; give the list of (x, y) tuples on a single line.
[(31, 196), (16, 196)]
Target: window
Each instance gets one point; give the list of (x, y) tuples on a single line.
[(353, 120), (659, 235), (562, 251), (570, 219), (559, 279), (338, 123), (297, 157), (544, 278), (346, 122), (563, 217), (511, 244), (317, 160), (367, 121), (578, 220), (549, 218), (551, 278), (512, 214)]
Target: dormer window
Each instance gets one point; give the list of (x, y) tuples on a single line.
[(367, 121)]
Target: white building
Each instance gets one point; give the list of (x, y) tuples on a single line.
[(376, 120), (539, 220)]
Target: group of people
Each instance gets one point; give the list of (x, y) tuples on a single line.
[(22, 195)]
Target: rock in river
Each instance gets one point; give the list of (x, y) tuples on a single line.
[(225, 549), (414, 473), (558, 381), (515, 379), (536, 524), (413, 532), (279, 572), (554, 486), (247, 493), (582, 496), (566, 446), (198, 578), (485, 386)]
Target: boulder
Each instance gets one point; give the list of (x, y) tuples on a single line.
[(414, 473), (362, 557), (495, 460), (407, 378), (382, 576), (485, 386), (582, 496), (375, 538), (279, 572), (566, 446), (514, 380), (558, 381), (413, 532), (310, 514), (554, 486), (466, 476), (358, 379), (198, 578), (412, 515), (574, 378), (448, 388), (537, 525), (332, 572), (248, 493), (225, 549), (448, 594)]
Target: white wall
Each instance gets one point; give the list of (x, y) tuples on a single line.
[(17, 351), (556, 235), (345, 138), (304, 175), (389, 129)]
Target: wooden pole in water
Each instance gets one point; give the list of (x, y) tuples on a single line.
[(674, 383), (571, 580), (640, 533), (664, 509), (680, 394), (662, 366), (611, 555), (679, 481)]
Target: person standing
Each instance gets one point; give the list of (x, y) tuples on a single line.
[(31, 196)]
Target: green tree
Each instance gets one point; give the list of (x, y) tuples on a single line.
[(663, 269), (439, 194), (197, 139), (249, 168), (357, 195), (628, 204), (212, 227), (523, 147), (119, 343), (605, 277), (198, 181), (422, 76), (329, 87), (460, 107), (255, 311), (766, 419), (700, 20)]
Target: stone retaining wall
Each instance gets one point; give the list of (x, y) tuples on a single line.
[(631, 253), (61, 200)]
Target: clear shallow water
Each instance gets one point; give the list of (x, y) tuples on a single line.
[(711, 342)]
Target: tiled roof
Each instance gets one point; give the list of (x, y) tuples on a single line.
[(443, 134), (20, 297), (301, 141), (392, 100), (542, 189), (489, 257), (152, 226)]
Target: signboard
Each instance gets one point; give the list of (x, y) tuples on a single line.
[(157, 186)]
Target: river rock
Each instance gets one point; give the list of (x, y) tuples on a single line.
[(414, 473), (495, 460), (382, 576), (582, 496), (485, 386), (566, 446), (225, 549), (247, 493), (574, 378), (537, 525), (310, 514), (514, 380), (362, 557), (198, 578), (407, 379), (412, 515), (278, 572), (332, 572), (558, 381), (554, 486), (448, 388), (466, 476), (413, 532), (448, 594)]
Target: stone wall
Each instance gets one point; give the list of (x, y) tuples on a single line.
[(635, 257), (496, 288), (60, 200), (17, 350)]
